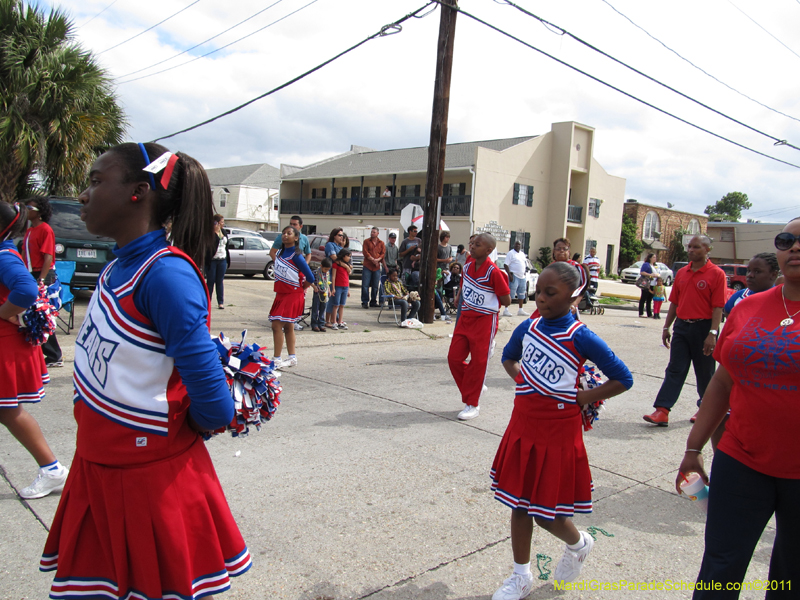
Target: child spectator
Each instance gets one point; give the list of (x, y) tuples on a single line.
[(659, 295), (541, 470), (399, 296), (341, 283), (484, 289), (322, 287)]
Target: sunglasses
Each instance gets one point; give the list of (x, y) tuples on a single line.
[(785, 240), (32, 208)]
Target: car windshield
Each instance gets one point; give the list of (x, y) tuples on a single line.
[(66, 222), (355, 246), (501, 260), (637, 265)]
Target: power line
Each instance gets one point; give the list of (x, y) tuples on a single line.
[(98, 14), (221, 47), (624, 16), (631, 96), (201, 43), (763, 29), (386, 30), (563, 31), (149, 28)]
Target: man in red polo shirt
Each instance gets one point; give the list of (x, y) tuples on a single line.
[(374, 250), (697, 298)]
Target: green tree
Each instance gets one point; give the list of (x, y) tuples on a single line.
[(677, 251), (57, 109), (729, 207), (545, 257), (630, 246)]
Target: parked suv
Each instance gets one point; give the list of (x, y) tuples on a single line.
[(318, 242), (737, 276), (90, 252)]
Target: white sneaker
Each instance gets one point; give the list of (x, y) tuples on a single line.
[(298, 327), (515, 587), (276, 362), (506, 313), (570, 565), (45, 483), (523, 313), (289, 362), (333, 326), (469, 412), (444, 318)]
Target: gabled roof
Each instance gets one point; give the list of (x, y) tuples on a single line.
[(260, 175), (362, 161)]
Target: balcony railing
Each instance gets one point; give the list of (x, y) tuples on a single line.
[(452, 206), (574, 214)]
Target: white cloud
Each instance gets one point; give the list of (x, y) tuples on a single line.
[(380, 95)]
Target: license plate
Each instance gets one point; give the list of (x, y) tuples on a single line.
[(87, 253)]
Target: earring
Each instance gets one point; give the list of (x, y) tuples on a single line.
[(134, 199)]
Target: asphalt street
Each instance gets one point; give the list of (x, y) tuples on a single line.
[(366, 485)]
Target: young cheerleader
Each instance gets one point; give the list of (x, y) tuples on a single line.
[(341, 286), (292, 277), (143, 514), (541, 470), (22, 367)]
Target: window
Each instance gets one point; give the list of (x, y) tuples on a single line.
[(223, 199), (340, 192), (652, 226), (589, 245), (372, 191), (523, 195), (254, 243), (694, 226), (594, 207), (235, 243), (455, 189), (409, 191), (726, 235), (319, 193)]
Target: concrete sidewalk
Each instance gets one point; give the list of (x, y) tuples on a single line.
[(366, 485)]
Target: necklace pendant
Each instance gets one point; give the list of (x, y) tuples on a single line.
[(787, 322)]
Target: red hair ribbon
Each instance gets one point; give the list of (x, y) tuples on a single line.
[(168, 171), (10, 225)]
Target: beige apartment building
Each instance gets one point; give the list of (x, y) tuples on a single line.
[(533, 189)]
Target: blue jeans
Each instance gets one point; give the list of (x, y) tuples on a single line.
[(317, 311), (403, 305), (215, 276), (370, 279)]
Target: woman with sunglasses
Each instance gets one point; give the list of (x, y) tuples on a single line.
[(757, 463)]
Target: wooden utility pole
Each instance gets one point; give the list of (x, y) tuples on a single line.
[(436, 156)]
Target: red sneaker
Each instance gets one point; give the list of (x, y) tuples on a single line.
[(660, 417), (694, 417)]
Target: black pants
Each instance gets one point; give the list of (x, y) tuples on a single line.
[(50, 349), (646, 300), (215, 276), (740, 503), (686, 349)]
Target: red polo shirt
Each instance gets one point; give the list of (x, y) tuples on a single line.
[(697, 293), (374, 249)]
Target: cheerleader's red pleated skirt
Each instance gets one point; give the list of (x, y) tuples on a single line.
[(288, 307), (541, 465), (22, 369), (158, 531)]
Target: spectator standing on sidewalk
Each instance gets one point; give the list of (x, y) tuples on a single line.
[(410, 247), (39, 254), (374, 252), (515, 267), (646, 299), (392, 254), (696, 301), (215, 272)]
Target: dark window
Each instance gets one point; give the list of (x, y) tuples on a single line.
[(235, 243)]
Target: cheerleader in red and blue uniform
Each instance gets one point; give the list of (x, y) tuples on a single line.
[(292, 277), (22, 368), (143, 514), (541, 470)]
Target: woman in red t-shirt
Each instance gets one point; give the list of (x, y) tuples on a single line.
[(39, 255), (757, 463)]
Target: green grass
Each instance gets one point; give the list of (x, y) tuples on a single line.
[(611, 300)]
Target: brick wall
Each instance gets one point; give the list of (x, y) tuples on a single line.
[(669, 219)]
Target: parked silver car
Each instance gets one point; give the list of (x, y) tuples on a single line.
[(631, 274), (248, 255)]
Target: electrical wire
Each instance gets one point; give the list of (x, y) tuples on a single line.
[(386, 30), (161, 62), (683, 58), (624, 93), (763, 29), (98, 14), (148, 29), (776, 140), (221, 47)]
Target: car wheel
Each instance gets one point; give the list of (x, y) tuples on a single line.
[(737, 286), (269, 272), (249, 275), (668, 282)]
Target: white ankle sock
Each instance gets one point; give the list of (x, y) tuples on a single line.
[(522, 569), (53, 467), (578, 545), (291, 356)]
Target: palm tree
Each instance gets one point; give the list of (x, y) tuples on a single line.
[(57, 108)]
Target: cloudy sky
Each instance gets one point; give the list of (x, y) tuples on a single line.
[(380, 95)]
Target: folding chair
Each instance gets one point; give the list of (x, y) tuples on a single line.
[(385, 299), (65, 269)]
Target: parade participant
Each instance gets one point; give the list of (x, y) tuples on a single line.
[(756, 466), (696, 301), (215, 273), (484, 289), (142, 513), (762, 272), (22, 368), (39, 253), (292, 277), (304, 245), (541, 470)]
